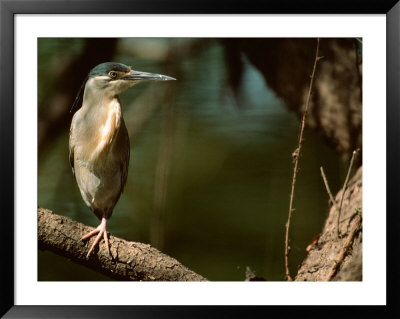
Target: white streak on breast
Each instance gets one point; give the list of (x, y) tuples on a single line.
[(112, 124)]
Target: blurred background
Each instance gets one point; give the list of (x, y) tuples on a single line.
[(211, 153)]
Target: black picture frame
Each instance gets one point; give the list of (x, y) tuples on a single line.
[(8, 10)]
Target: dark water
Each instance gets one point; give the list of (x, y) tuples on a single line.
[(229, 177)]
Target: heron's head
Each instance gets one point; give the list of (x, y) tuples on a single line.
[(111, 78)]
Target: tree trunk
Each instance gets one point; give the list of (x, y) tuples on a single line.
[(332, 258), (335, 109)]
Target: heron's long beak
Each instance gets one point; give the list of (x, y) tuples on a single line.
[(144, 76)]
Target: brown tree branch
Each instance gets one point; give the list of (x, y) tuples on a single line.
[(129, 261), (296, 155)]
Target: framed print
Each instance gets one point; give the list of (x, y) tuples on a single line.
[(258, 148)]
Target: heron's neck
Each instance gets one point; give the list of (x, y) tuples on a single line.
[(112, 122), (104, 115)]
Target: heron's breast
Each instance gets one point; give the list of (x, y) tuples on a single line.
[(95, 134), (109, 128)]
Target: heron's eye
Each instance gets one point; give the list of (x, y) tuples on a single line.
[(112, 74)]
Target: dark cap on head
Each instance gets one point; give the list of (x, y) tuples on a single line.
[(106, 67)]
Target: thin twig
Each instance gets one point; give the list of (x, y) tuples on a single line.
[(343, 191), (328, 190), (296, 155)]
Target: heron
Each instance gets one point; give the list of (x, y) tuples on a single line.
[(99, 146)]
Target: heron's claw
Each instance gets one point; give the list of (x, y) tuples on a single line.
[(101, 230)]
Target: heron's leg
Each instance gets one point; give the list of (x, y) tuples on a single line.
[(101, 230)]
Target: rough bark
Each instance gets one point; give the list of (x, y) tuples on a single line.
[(333, 258), (129, 260)]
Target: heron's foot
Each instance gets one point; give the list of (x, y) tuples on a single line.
[(101, 230)]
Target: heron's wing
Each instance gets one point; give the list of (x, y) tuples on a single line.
[(71, 151), (125, 154)]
